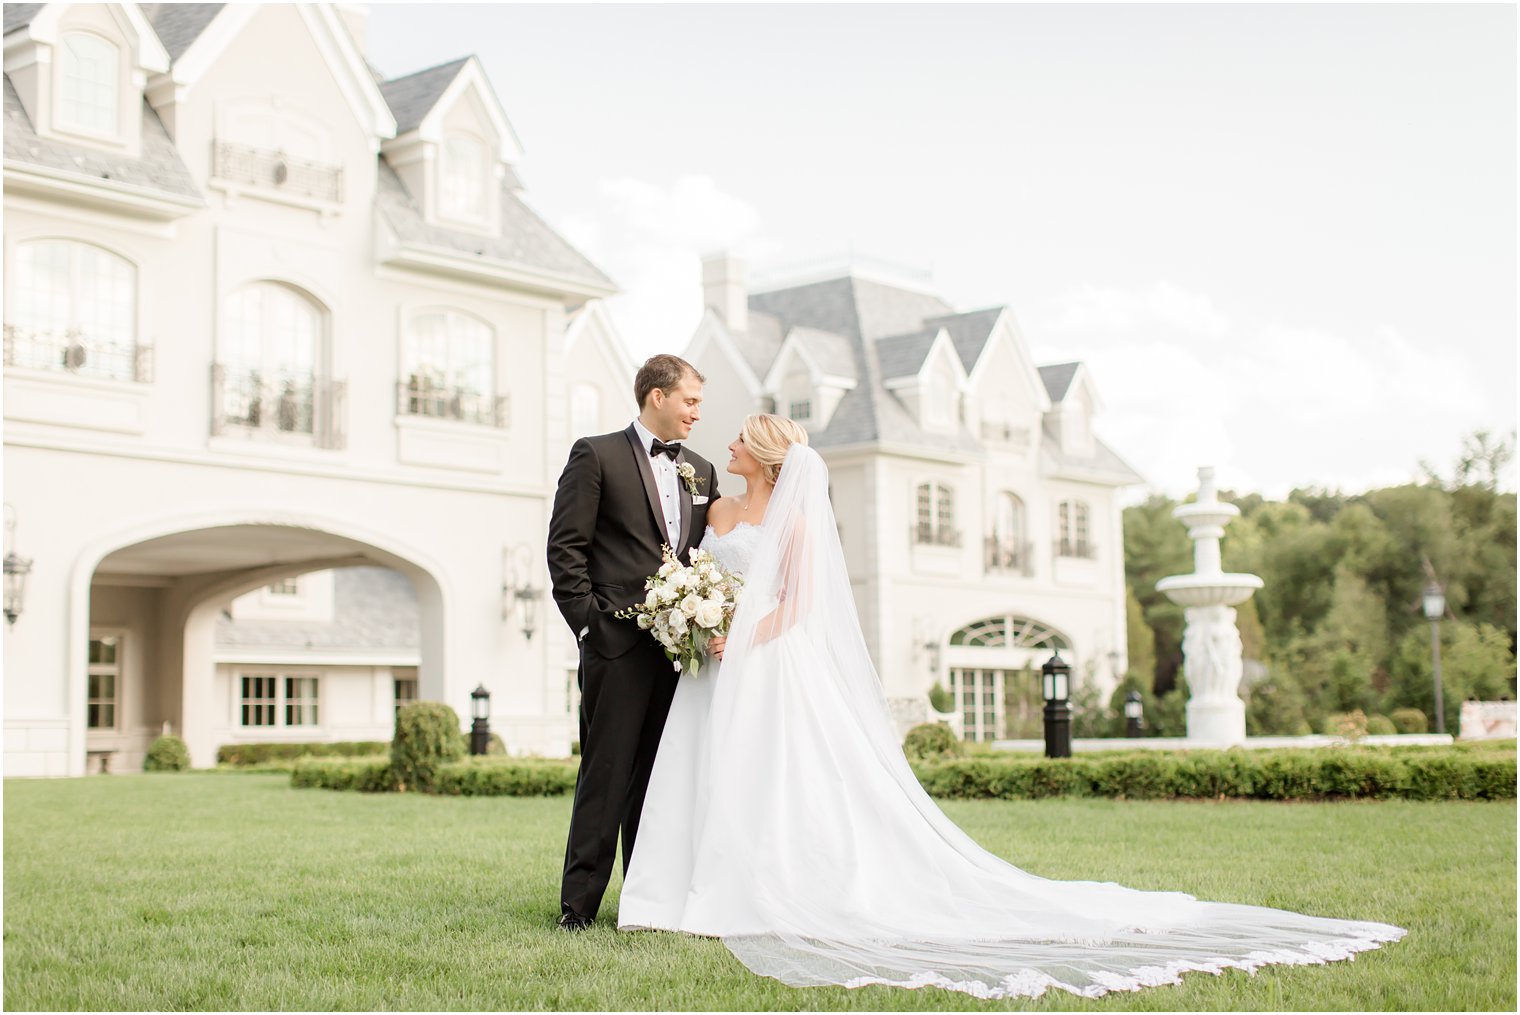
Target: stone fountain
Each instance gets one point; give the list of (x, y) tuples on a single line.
[(1211, 650)]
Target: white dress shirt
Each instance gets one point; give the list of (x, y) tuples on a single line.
[(666, 482)]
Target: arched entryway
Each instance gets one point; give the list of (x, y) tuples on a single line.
[(143, 635), (992, 669)]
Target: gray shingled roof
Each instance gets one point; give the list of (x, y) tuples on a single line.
[(159, 167), (17, 15), (413, 96), (762, 342), (904, 355), (968, 332), (179, 25), (862, 311), (374, 608), (1057, 378), (834, 354), (525, 238), (1104, 465)]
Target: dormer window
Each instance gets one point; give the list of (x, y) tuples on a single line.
[(464, 178), (90, 94), (801, 410)]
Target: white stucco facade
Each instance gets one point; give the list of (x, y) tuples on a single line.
[(151, 277), (907, 396)]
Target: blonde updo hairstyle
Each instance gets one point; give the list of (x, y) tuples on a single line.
[(767, 438)]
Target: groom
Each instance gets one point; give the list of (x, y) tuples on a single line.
[(620, 497)]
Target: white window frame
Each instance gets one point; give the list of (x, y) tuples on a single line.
[(1074, 533), (109, 81), (397, 680), (257, 339), (421, 373), (279, 703), (454, 187), (96, 307), (981, 720), (934, 513), (114, 670), (800, 409)]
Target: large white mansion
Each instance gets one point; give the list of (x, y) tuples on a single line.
[(976, 508), (259, 326)]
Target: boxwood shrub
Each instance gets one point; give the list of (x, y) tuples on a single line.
[(500, 776), (1332, 774), (367, 775), (261, 754), (167, 753), (427, 737)]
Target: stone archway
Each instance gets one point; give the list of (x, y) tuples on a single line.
[(179, 576)]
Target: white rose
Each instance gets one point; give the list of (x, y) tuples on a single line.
[(652, 599), (690, 603), (709, 614), (677, 623), (667, 594), (644, 622)]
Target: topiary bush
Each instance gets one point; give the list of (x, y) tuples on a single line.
[(1409, 720), (167, 753), (1381, 726), (930, 740), (427, 737), (940, 699), (496, 746), (1351, 725)]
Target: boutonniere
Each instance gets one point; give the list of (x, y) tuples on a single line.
[(688, 476)]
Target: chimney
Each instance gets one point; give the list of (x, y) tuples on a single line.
[(723, 290)]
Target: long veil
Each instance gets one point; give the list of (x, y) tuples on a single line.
[(849, 872)]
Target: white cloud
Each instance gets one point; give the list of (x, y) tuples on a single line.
[(1272, 405), (651, 239)]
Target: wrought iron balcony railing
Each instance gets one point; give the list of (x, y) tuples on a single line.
[(935, 535), (418, 397), (76, 353), (274, 170), (281, 407), (1080, 548), (1005, 433), (1009, 556)]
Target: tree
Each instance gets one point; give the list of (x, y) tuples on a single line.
[(1142, 643), (1476, 663)]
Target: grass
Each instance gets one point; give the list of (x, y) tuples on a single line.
[(171, 892)]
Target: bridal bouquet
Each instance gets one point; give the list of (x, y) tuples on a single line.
[(686, 606)]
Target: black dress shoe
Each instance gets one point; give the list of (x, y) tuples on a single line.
[(572, 922)]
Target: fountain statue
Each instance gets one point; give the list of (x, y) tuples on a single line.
[(1211, 651)]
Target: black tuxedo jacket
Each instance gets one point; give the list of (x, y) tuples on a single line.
[(606, 532)]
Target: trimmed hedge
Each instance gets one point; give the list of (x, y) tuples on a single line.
[(490, 776), (367, 775), (930, 740), (260, 754), (1334, 774)]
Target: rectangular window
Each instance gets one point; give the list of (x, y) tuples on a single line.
[(285, 587), (980, 694), (801, 410), (406, 691), (300, 701), (104, 682), (259, 700), (924, 530)]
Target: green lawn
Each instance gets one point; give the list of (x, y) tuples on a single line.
[(187, 892)]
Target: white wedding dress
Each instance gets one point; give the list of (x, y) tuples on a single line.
[(783, 818)]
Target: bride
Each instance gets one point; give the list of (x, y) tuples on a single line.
[(783, 818)]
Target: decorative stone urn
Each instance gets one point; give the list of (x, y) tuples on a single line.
[(1211, 649)]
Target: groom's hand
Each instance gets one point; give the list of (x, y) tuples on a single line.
[(716, 646)]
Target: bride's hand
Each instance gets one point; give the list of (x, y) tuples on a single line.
[(716, 646)]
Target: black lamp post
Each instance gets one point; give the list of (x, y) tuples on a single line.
[(1057, 693), (1134, 712), (480, 712), (1435, 608)]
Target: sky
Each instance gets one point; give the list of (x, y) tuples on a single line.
[(1283, 238)]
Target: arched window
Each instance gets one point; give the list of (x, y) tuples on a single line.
[(1006, 548), (270, 359), (585, 410), (463, 192), (448, 362), (936, 515), (998, 690), (90, 83), (1074, 538), (73, 307)]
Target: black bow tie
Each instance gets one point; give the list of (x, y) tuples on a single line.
[(659, 447)]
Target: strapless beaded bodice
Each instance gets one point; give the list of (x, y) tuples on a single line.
[(735, 548)]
